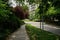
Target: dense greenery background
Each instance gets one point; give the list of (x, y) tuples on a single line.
[(8, 21), (49, 9)]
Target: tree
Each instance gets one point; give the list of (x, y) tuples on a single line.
[(20, 2), (34, 1), (50, 10), (20, 12)]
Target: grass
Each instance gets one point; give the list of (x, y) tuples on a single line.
[(38, 34)]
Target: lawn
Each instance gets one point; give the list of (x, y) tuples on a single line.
[(38, 34)]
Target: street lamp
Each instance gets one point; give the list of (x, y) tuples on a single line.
[(42, 16)]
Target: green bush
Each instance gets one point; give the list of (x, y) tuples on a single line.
[(9, 25), (8, 21), (34, 15)]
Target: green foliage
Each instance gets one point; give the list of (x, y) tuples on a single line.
[(35, 16), (49, 9), (25, 8), (8, 21), (38, 34), (30, 1), (20, 0), (34, 1)]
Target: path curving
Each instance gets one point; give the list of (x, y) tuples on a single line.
[(46, 27), (20, 34)]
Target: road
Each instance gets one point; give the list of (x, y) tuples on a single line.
[(46, 27)]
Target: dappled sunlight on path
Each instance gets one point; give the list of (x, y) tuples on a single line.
[(20, 34)]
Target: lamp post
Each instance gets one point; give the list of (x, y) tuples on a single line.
[(42, 21), (42, 16)]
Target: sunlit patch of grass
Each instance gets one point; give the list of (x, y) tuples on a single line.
[(38, 34)]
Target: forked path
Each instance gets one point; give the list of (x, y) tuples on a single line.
[(46, 27), (20, 34)]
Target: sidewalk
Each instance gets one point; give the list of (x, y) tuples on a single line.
[(20, 34)]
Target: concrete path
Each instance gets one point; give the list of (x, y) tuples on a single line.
[(47, 27), (20, 34)]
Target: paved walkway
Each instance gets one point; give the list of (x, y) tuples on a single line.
[(20, 34), (47, 27)]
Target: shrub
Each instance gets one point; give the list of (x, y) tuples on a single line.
[(8, 21), (19, 12)]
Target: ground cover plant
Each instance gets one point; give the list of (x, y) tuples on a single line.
[(38, 34)]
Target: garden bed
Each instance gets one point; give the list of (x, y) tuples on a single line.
[(38, 34)]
